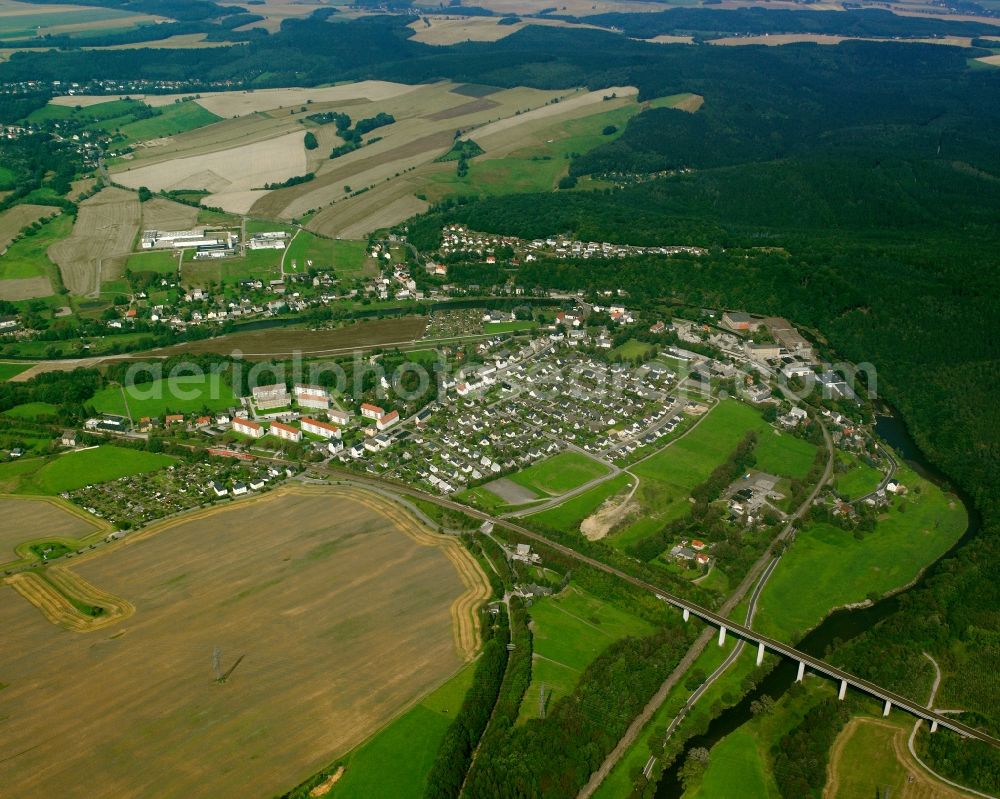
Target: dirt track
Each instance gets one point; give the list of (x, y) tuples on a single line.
[(917, 785)]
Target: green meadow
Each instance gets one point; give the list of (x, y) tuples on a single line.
[(77, 469), (568, 515), (9, 370), (188, 394), (827, 567), (396, 761), (569, 630), (344, 256), (163, 262), (27, 257), (667, 478), (859, 479), (560, 473)]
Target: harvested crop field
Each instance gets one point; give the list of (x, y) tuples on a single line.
[(335, 607), (262, 344), (562, 108), (471, 107), (237, 103), (426, 119), (449, 30), (13, 219), (229, 174), (96, 250), (32, 519), (25, 288), (358, 216), (163, 214)]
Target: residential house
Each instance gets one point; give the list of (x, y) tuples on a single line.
[(387, 420), (318, 428), (248, 428), (285, 432)]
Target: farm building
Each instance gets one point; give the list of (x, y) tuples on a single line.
[(319, 428), (285, 432)]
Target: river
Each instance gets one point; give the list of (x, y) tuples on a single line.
[(840, 626)]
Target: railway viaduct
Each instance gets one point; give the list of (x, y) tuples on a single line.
[(687, 608)]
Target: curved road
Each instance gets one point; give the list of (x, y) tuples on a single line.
[(703, 613)]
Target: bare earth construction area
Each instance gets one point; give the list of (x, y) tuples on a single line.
[(339, 608)]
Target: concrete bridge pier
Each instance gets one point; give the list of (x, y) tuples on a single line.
[(722, 634), (934, 726), (843, 689), (887, 708), (802, 671), (760, 653), (686, 614)]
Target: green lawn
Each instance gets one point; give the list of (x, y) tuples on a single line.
[(27, 258), (560, 473), (191, 394), (78, 469), (482, 498), (510, 327), (569, 514), (163, 262), (262, 264), (6, 178), (860, 478), (32, 410), (783, 454), (827, 567), (9, 370), (397, 760), (569, 631), (633, 349), (343, 256)]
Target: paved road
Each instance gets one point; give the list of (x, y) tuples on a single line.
[(615, 471), (713, 618), (893, 466), (662, 692)]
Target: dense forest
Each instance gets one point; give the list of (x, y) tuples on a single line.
[(864, 209), (853, 189), (757, 20)]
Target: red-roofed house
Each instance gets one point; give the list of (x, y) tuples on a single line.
[(372, 411), (318, 428), (248, 428), (388, 420), (285, 432)]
